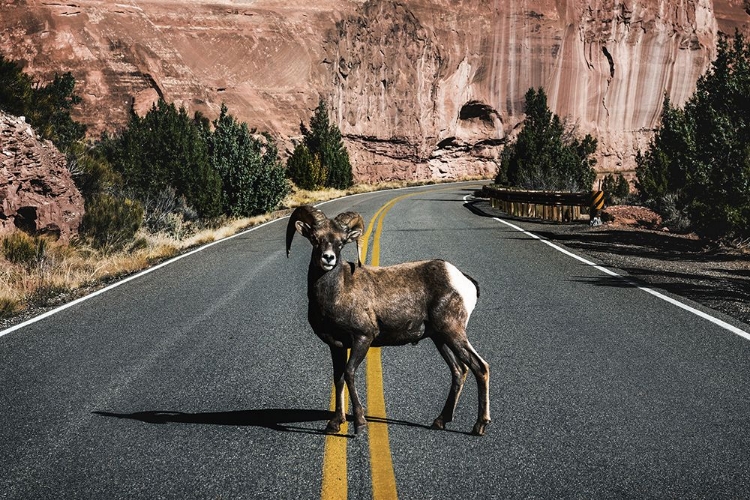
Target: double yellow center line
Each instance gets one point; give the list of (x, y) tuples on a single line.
[(381, 462)]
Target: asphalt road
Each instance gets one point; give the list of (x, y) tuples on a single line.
[(202, 379)]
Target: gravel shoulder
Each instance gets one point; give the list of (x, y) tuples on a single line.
[(684, 265)]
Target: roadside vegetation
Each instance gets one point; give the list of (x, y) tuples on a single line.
[(320, 160), (169, 181), (166, 182), (547, 154), (696, 170), (38, 272)]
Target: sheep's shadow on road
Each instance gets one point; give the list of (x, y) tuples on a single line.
[(277, 419)]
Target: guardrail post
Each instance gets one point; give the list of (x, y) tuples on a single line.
[(597, 204)]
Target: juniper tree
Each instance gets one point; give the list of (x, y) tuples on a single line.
[(547, 154), (321, 159), (699, 156), (252, 176)]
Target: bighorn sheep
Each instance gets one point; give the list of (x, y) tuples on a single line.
[(354, 306)]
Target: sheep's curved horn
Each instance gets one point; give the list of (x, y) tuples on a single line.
[(351, 221), (307, 214)]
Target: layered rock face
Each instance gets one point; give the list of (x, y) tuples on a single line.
[(419, 88), (37, 193)]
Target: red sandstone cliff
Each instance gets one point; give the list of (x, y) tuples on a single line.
[(419, 88)]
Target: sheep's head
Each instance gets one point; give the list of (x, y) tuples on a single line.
[(327, 236)]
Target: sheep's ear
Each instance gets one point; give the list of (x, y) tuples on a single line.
[(353, 235)]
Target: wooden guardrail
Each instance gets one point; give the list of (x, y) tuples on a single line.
[(548, 205)]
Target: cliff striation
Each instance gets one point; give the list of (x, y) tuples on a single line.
[(419, 88)]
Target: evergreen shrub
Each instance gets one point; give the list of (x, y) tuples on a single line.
[(547, 154), (321, 159), (699, 158), (20, 248)]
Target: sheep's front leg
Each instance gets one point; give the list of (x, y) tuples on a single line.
[(359, 351), (338, 356)]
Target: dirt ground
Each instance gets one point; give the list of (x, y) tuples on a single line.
[(635, 244)]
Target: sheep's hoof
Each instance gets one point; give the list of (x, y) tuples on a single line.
[(479, 428), (438, 424), (332, 427)]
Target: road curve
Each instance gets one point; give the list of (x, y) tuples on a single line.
[(202, 379)]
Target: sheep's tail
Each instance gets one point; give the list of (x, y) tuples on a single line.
[(475, 282)]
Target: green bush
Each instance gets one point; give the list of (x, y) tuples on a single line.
[(673, 216), (91, 171), (46, 107), (321, 160), (166, 148), (111, 222), (305, 169), (616, 189), (662, 169), (50, 112), (20, 248), (16, 88), (547, 154), (252, 177), (700, 155), (167, 213)]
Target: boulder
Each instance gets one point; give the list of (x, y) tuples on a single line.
[(37, 193)]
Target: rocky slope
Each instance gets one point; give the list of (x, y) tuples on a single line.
[(37, 193), (419, 88)]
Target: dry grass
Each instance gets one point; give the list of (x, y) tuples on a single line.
[(66, 271)]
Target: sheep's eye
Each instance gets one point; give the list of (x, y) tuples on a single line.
[(339, 245)]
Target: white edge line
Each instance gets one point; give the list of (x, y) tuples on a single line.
[(666, 298), (132, 277)]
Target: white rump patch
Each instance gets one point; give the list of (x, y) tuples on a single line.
[(463, 286)]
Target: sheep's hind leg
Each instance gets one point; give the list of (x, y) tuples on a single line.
[(458, 377), (338, 356), (465, 353)]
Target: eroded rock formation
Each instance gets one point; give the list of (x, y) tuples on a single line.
[(37, 193), (419, 88)]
